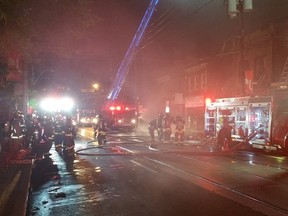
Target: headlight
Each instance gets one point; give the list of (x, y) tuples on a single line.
[(57, 104), (119, 121), (133, 121), (74, 122), (95, 120), (83, 120)]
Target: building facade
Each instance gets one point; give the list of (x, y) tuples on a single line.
[(265, 54)]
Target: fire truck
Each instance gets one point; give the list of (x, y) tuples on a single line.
[(246, 115), (120, 115)]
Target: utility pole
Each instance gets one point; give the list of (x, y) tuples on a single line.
[(242, 48), (237, 8), (25, 92)]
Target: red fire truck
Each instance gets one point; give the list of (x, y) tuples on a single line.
[(120, 115), (268, 115)]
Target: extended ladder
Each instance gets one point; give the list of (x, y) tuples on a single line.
[(124, 67), (284, 75)]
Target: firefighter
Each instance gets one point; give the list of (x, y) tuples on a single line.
[(68, 139), (58, 133), (15, 125), (151, 129), (167, 130), (29, 129), (17, 132), (179, 130), (224, 136), (100, 130)]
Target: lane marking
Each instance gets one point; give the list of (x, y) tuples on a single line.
[(143, 166)]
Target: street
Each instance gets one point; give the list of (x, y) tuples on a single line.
[(126, 177)]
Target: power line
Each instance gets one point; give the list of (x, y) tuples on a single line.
[(151, 38)]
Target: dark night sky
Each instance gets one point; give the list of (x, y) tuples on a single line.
[(178, 26)]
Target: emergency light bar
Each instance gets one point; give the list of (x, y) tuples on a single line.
[(113, 108), (119, 108)]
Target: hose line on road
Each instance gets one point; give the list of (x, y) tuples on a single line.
[(117, 151)]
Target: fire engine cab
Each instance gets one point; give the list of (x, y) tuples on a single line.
[(120, 115), (246, 115)]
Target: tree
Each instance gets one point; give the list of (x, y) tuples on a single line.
[(36, 29), (32, 27)]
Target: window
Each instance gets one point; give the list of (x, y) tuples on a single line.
[(259, 67), (204, 80), (198, 82)]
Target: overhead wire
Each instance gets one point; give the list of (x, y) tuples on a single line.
[(134, 46), (156, 23), (152, 37)]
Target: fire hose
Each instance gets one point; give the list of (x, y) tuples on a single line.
[(198, 153)]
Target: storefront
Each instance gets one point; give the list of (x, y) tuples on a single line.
[(194, 108)]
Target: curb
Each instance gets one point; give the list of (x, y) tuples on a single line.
[(15, 187)]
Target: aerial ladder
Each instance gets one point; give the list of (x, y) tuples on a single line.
[(130, 54), (284, 75)]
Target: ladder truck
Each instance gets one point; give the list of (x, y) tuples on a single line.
[(117, 113)]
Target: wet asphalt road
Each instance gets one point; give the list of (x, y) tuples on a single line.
[(107, 181)]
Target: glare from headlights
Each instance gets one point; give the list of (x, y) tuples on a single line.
[(133, 121), (74, 122), (57, 104)]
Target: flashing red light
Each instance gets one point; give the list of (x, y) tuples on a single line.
[(208, 101), (113, 108), (121, 108)]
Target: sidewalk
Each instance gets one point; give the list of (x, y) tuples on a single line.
[(14, 185)]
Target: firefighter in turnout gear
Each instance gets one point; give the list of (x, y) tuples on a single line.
[(224, 136), (151, 129), (58, 133), (179, 130), (167, 123), (156, 124), (100, 130), (68, 140)]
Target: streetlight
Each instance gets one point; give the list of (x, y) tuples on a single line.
[(238, 7), (95, 86)]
